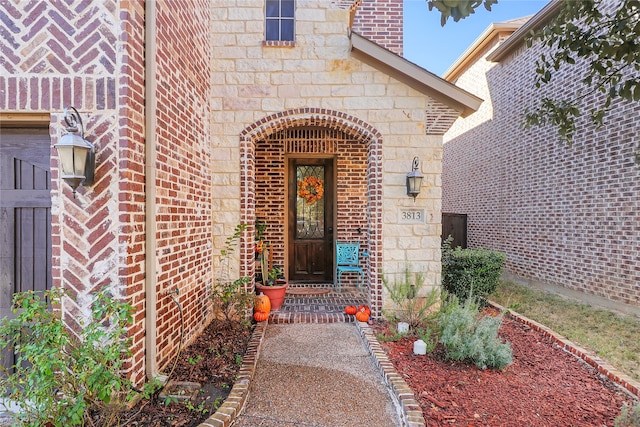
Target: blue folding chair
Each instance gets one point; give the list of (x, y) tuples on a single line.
[(347, 261)]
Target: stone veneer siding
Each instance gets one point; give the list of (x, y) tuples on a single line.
[(563, 215), (259, 90)]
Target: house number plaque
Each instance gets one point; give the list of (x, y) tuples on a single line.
[(412, 216)]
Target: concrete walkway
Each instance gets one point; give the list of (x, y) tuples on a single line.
[(319, 375)]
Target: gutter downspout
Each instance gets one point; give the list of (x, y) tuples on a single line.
[(150, 106)]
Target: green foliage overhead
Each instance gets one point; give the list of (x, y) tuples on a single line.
[(458, 9), (605, 35)]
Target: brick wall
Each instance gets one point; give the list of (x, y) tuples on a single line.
[(183, 180), (56, 55), (350, 189), (563, 215), (91, 55), (381, 21)]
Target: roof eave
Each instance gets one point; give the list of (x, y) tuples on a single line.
[(539, 19), (415, 76), (494, 30)]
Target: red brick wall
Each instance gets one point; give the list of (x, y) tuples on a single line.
[(184, 247), (563, 215), (366, 195), (380, 21), (131, 177), (350, 187), (55, 56), (98, 237)]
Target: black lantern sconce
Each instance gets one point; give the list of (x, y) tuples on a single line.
[(414, 179), (77, 155)]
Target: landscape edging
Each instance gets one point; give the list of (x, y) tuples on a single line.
[(604, 368), (408, 405)]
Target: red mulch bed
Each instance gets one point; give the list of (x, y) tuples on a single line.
[(545, 386)]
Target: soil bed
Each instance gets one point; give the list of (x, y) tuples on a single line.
[(544, 386), (213, 360)]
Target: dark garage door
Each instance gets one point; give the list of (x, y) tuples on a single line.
[(25, 215)]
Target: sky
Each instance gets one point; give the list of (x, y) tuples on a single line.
[(435, 48)]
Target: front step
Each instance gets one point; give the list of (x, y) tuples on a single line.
[(318, 308)]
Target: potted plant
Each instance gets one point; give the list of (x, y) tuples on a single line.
[(275, 287), (274, 284)]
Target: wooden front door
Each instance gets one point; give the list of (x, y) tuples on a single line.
[(25, 216), (310, 217)]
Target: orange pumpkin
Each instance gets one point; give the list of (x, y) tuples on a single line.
[(262, 304), (350, 309), (362, 316), (365, 309), (260, 316)]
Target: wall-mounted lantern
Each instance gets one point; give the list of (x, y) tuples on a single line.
[(414, 179), (77, 155)]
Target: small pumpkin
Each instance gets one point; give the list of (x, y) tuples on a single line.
[(260, 316), (350, 309), (262, 304), (362, 316), (365, 309)]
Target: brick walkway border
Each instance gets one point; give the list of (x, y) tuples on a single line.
[(410, 411)]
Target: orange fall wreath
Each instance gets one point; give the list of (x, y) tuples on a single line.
[(310, 189)]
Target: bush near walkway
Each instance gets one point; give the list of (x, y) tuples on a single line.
[(470, 272)]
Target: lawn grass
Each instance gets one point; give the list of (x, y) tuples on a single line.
[(612, 337)]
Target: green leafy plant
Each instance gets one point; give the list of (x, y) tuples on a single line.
[(275, 274), (59, 377), (468, 336), (391, 337), (430, 335), (201, 408), (230, 296), (470, 272), (217, 403), (410, 304), (629, 416), (195, 360)]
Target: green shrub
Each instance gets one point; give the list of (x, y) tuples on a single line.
[(629, 416), (410, 304), (470, 272), (467, 336), (63, 378)]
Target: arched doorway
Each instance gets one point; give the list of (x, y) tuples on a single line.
[(342, 149)]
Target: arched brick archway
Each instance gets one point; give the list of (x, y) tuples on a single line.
[(356, 129)]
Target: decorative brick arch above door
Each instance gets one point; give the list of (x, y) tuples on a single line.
[(356, 130)]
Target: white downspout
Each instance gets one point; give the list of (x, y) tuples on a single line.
[(150, 188)]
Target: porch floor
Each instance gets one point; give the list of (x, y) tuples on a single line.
[(317, 308)]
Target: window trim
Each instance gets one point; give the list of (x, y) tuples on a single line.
[(279, 19)]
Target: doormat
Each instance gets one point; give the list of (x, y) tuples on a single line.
[(307, 291)]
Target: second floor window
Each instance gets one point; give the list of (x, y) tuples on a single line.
[(280, 20)]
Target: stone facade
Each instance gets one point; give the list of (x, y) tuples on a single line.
[(260, 90), (563, 215)]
